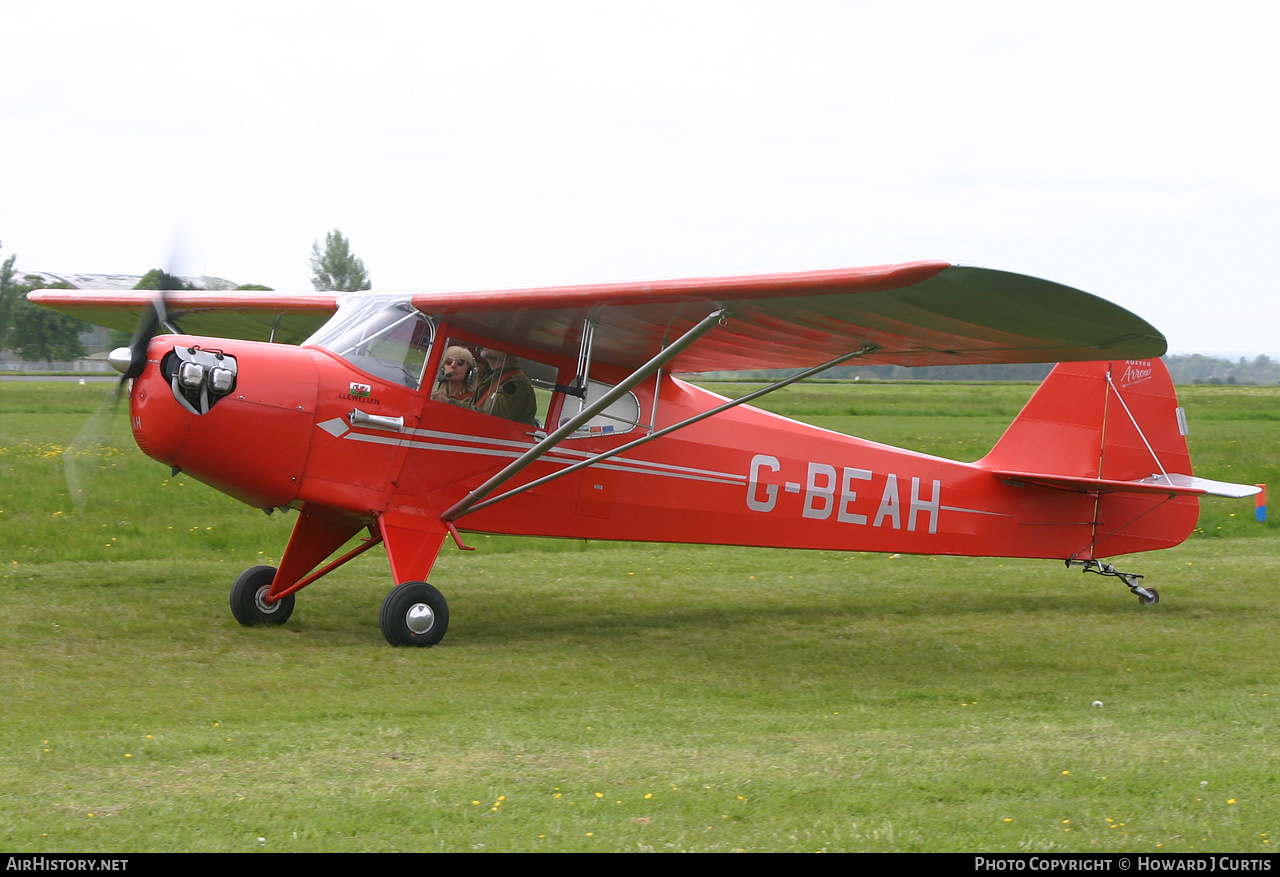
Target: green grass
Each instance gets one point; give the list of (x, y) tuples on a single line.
[(611, 697)]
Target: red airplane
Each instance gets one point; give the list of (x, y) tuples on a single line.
[(555, 412)]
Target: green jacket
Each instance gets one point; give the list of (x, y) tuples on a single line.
[(509, 394)]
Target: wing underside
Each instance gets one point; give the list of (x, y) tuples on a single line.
[(921, 313), (253, 316), (924, 313)]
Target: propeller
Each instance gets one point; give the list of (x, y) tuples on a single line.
[(131, 360), (83, 458)]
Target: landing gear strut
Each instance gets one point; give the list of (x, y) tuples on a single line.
[(1146, 596)]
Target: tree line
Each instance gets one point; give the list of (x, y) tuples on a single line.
[(38, 334)]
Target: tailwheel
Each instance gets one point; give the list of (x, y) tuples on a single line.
[(248, 595), (1146, 596), (414, 614)]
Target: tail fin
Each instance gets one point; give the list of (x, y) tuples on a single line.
[(1117, 421), (1114, 430)]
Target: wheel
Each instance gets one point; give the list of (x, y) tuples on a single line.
[(1152, 600), (246, 598), (414, 614)]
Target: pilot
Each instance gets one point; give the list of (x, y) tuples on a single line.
[(505, 390), (457, 381)]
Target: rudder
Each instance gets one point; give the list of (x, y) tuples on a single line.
[(1116, 420), (1112, 429)]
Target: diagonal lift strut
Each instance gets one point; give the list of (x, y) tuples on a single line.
[(483, 502), (570, 426)]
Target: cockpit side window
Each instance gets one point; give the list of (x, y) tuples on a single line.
[(492, 380), (522, 385), (623, 415), (384, 337)]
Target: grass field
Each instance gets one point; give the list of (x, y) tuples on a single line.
[(611, 697)]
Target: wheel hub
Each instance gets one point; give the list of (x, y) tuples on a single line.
[(420, 618), (260, 601)]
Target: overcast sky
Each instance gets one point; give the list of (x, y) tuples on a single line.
[(1126, 148)]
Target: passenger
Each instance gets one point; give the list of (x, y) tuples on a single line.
[(457, 381), (504, 390)]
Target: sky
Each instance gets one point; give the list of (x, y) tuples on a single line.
[(1124, 147)]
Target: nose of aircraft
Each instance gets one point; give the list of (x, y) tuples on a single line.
[(237, 415)]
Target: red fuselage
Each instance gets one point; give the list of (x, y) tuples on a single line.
[(286, 435)]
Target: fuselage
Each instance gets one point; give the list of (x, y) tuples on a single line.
[(303, 426)]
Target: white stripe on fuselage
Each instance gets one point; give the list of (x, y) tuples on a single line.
[(474, 445)]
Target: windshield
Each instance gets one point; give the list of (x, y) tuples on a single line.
[(385, 337)]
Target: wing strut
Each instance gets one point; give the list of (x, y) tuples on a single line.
[(570, 426), (604, 455), (584, 352)]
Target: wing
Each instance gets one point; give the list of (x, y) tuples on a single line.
[(921, 313), (255, 316)]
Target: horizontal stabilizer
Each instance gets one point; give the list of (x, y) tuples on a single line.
[(1167, 485)]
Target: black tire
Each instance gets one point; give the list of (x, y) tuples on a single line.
[(246, 598), (414, 614), (1154, 599)]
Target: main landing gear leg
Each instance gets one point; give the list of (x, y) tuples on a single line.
[(1146, 596), (414, 613)]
